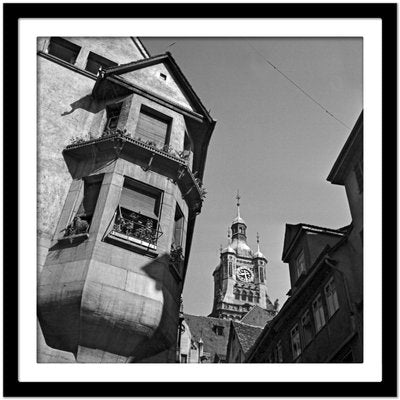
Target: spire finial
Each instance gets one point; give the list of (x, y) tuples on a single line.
[(238, 203), (258, 242), (229, 236), (220, 248)]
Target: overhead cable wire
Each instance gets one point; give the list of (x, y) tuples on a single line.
[(298, 87)]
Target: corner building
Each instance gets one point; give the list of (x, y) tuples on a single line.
[(122, 140), (240, 277)]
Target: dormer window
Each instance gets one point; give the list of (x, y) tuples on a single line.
[(219, 330), (300, 264)]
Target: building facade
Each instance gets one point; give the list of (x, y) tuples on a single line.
[(240, 280), (122, 140), (322, 321)]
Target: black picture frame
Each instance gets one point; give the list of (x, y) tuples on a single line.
[(13, 387)]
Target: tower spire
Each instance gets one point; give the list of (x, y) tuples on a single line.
[(258, 243), (238, 204)]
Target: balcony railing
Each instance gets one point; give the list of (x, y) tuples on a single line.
[(136, 228)]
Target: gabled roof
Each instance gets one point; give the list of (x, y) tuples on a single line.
[(294, 232), (246, 334), (141, 47), (257, 316), (174, 68), (203, 327), (352, 146)]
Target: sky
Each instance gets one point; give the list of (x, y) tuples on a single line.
[(271, 142)]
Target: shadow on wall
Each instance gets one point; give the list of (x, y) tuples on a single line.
[(86, 103), (165, 335)]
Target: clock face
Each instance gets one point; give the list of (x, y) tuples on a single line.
[(244, 274)]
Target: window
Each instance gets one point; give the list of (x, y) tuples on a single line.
[(250, 296), (153, 127), (295, 340), (82, 217), (219, 330), (279, 354), (230, 268), (307, 328), (244, 295), (237, 296), (94, 62), (261, 274), (183, 358), (319, 316), (63, 49), (113, 112), (137, 215), (300, 264), (331, 297), (178, 227), (358, 171)]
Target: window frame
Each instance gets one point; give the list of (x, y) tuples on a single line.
[(320, 311), (307, 340), (293, 344), (157, 115), (96, 58), (300, 268), (133, 242), (331, 299), (66, 45)]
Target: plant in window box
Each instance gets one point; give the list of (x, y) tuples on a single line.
[(77, 227), (176, 253), (203, 193), (77, 140)]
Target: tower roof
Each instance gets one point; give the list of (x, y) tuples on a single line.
[(258, 253), (238, 219)]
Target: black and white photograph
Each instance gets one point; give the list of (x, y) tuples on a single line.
[(192, 193), (273, 270)]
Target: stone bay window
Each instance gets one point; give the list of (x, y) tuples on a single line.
[(136, 198)]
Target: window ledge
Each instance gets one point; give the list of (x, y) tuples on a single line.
[(74, 238), (133, 244)]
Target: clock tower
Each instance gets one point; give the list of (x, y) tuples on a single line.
[(240, 277)]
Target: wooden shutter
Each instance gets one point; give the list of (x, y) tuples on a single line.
[(138, 200), (152, 128)]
